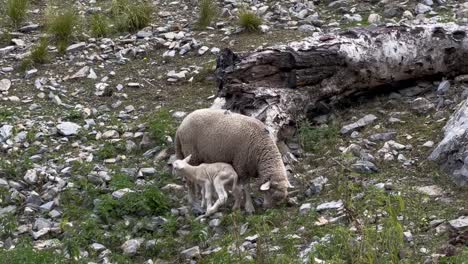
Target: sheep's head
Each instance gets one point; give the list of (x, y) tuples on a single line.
[(274, 192), (179, 165)]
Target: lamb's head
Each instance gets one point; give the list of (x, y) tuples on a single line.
[(179, 165), (275, 192)]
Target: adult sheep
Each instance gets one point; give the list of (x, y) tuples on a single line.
[(211, 135)]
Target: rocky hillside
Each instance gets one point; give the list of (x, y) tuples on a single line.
[(93, 90)]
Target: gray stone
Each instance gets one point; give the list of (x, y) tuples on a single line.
[(422, 9), (81, 73), (7, 210), (366, 120), (68, 128), (454, 145), (110, 134), (316, 186), (364, 167), (5, 132), (383, 136), (76, 47), (459, 223), (144, 34), (432, 190), (97, 247), (29, 28), (47, 206), (408, 236), (121, 193), (42, 223), (374, 18), (305, 208), (306, 28), (422, 105), (5, 85), (31, 176), (215, 222), (330, 205), (130, 247), (443, 87), (191, 253)]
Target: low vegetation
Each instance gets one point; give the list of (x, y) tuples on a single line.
[(131, 16), (16, 11), (160, 125), (61, 25), (207, 13), (249, 20), (100, 25)]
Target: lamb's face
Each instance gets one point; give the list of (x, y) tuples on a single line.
[(179, 165)]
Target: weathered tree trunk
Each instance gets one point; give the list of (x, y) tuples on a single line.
[(283, 84)]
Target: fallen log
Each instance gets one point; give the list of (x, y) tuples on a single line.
[(283, 84)]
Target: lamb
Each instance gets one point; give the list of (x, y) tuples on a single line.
[(211, 135), (207, 176)]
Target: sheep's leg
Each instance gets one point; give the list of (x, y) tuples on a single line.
[(222, 195), (249, 208)]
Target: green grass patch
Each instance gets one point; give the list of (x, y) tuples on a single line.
[(208, 12), (249, 20), (40, 53), (150, 201), (16, 10), (161, 124), (24, 253), (61, 26), (313, 139), (111, 150), (131, 16), (100, 25)]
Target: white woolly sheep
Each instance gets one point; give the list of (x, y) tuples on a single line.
[(211, 135), (207, 176)]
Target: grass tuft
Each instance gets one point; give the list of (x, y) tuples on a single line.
[(16, 11), (208, 12), (161, 125), (313, 139), (61, 26), (130, 16), (249, 20), (100, 25), (40, 54)]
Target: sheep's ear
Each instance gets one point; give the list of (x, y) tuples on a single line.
[(187, 159), (265, 186)]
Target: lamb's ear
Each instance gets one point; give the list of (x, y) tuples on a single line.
[(187, 159), (265, 186)]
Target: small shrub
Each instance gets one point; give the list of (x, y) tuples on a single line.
[(61, 26), (313, 139), (130, 16), (249, 20), (120, 181), (24, 253), (16, 11), (73, 115), (7, 225), (100, 25), (110, 150), (207, 13), (161, 125), (150, 201), (40, 54)]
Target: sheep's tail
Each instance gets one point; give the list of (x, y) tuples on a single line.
[(178, 148)]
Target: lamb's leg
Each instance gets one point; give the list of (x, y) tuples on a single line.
[(249, 208), (237, 193), (203, 194), (208, 194), (222, 195)]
